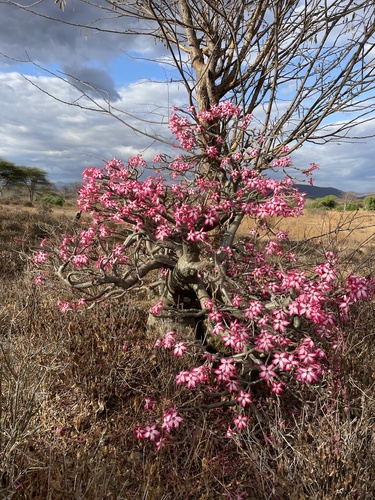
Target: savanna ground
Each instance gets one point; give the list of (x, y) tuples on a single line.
[(72, 394)]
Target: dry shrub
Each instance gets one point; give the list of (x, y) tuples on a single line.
[(23, 229), (71, 397)]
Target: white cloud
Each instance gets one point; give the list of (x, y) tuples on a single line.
[(38, 130), (346, 166)]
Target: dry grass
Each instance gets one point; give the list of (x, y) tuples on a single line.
[(71, 397), (351, 235)]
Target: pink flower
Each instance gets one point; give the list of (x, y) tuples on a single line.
[(40, 257), (150, 432), (38, 280), (326, 272), (232, 385), (212, 152), (211, 217), (179, 349), (246, 121), (135, 161), (308, 374), (284, 162), (197, 375), (103, 231), (92, 173), (253, 310), (266, 372), (208, 304), (227, 366), (162, 232), (64, 306), (217, 329), (240, 422), (293, 308), (236, 301), (277, 387), (237, 156), (168, 340), (215, 316), (182, 377), (244, 398), (279, 324), (265, 341), (358, 288), (282, 235), (196, 235), (162, 443), (139, 433), (225, 162), (305, 355), (229, 433), (284, 361), (171, 420), (150, 404), (182, 129), (80, 260), (157, 308), (253, 152)]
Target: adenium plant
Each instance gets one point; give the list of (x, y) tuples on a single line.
[(180, 233)]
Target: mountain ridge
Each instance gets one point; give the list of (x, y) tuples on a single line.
[(321, 192)]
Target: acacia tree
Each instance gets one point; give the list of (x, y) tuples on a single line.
[(292, 65), (34, 178), (8, 174), (16, 175)]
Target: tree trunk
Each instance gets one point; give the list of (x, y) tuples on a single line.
[(184, 293)]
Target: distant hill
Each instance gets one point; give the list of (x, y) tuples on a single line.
[(319, 192)]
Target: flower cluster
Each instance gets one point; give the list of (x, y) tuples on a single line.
[(159, 433), (168, 341)]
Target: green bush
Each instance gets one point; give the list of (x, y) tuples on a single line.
[(369, 203), (54, 200), (352, 207), (329, 202)]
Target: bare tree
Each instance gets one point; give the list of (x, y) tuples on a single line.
[(298, 66)]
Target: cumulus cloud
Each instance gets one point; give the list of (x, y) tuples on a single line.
[(349, 166), (38, 130), (61, 41), (93, 81)]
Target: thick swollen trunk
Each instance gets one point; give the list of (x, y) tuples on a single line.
[(184, 294)]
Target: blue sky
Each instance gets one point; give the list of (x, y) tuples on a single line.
[(38, 130)]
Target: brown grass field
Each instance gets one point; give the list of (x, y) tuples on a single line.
[(71, 396), (347, 228)]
